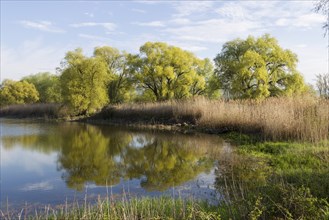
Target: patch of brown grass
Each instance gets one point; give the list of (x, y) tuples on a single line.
[(30, 111), (296, 118)]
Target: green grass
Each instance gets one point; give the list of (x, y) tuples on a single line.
[(277, 180), (136, 208)]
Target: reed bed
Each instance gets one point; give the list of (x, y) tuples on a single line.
[(284, 118), (39, 110)]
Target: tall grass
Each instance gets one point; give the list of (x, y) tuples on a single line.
[(136, 208), (40, 110), (297, 118)]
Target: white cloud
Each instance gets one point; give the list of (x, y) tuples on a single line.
[(214, 30), (107, 25), (232, 10), (42, 26), (305, 21), (308, 20), (180, 21), (282, 22), (150, 24), (186, 8), (92, 37), (272, 13)]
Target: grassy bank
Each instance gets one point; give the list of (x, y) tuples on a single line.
[(142, 208), (256, 180), (303, 118), (274, 180)]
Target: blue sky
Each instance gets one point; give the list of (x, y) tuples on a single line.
[(35, 35)]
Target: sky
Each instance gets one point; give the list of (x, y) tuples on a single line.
[(35, 35)]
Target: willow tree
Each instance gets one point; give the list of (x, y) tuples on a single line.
[(21, 92), (167, 71), (257, 68), (47, 85), (83, 82), (117, 63)]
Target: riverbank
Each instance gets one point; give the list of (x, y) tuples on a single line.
[(285, 118), (257, 179), (277, 180), (142, 208), (299, 118)]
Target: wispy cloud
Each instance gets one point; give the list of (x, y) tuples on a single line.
[(92, 37), (185, 8), (305, 20), (272, 14), (107, 25), (213, 30), (232, 10), (150, 24), (42, 26), (180, 21)]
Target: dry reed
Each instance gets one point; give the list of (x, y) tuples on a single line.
[(284, 118), (39, 110)]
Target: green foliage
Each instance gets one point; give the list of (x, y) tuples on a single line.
[(257, 68), (169, 72), (21, 92), (275, 179), (47, 85), (120, 88), (155, 208), (86, 158), (84, 82)]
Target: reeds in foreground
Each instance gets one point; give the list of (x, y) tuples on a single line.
[(142, 208)]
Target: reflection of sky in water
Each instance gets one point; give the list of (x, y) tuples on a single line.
[(31, 176), (45, 185), (139, 141), (28, 161)]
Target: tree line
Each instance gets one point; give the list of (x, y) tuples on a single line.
[(252, 68)]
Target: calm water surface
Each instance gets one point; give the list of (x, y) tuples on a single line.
[(51, 163)]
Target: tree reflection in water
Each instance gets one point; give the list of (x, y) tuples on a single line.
[(104, 155)]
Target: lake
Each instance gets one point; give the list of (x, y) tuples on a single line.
[(57, 163)]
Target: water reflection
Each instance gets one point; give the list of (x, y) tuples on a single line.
[(238, 175), (105, 155)]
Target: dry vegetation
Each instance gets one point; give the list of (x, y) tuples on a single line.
[(298, 118), (40, 110)]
